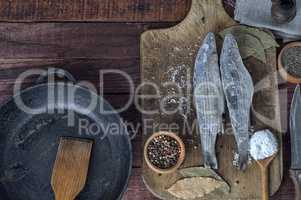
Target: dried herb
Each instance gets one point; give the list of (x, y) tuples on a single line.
[(251, 41), (291, 60), (205, 172), (195, 187), (163, 152), (198, 182), (199, 172)]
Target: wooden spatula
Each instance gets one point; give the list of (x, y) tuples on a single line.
[(71, 168)]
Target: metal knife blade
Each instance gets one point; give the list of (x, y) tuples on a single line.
[(238, 89), (295, 129), (209, 99)]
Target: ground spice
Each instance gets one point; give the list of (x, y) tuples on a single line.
[(263, 144), (163, 152), (291, 60)]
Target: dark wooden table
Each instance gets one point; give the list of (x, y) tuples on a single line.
[(41, 34)]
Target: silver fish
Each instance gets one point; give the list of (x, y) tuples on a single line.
[(238, 90), (209, 99)]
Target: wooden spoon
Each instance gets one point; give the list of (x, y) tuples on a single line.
[(264, 148), (264, 168), (71, 168)]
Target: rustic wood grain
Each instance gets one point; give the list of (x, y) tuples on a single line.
[(81, 48), (164, 50), (136, 189), (69, 40), (83, 70), (70, 169), (94, 10), (14, 45), (72, 40)]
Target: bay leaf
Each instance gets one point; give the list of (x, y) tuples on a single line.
[(251, 41), (197, 187), (199, 172), (250, 46), (266, 38)]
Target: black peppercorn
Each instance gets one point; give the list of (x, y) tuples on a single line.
[(163, 152)]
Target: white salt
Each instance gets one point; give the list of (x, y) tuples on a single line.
[(263, 144)]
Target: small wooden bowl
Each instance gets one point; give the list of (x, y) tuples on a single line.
[(181, 156), (284, 74)]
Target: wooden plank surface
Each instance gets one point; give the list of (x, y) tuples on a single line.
[(94, 10), (69, 40), (111, 83), (15, 45), (84, 49), (172, 51)]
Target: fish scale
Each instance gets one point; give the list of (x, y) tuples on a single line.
[(209, 99), (238, 90)]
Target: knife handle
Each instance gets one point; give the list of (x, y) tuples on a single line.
[(296, 177)]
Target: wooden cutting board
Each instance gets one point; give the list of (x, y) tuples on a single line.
[(169, 55)]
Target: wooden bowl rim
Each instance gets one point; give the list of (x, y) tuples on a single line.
[(284, 74), (181, 157)]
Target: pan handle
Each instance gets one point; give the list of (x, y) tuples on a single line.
[(55, 72)]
